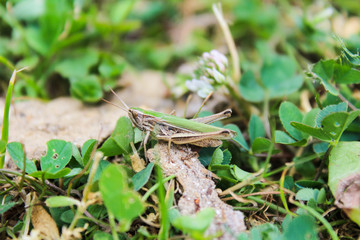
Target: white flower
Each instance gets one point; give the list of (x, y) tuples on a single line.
[(202, 87), (215, 74), (219, 57), (214, 59)]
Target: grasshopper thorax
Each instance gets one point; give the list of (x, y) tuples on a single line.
[(142, 121), (137, 118)]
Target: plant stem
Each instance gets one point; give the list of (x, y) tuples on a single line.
[(113, 226), (319, 217), (229, 41), (322, 164), (153, 188), (82, 207), (282, 195), (164, 217), (5, 127), (272, 206)]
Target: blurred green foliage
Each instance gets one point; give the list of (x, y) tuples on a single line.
[(82, 47), (286, 48)]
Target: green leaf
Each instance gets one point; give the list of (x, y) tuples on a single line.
[(195, 225), (67, 216), (44, 35), (76, 154), (6, 206), (249, 88), (46, 175), (324, 71), (315, 132), (341, 107), (282, 138), (320, 147), (142, 177), (300, 228), (87, 150), (239, 174), (334, 124), (289, 112), (239, 137), (346, 74), (353, 59), (308, 183), (260, 145), (61, 201), (111, 66), (256, 128), (86, 88), (77, 64), (217, 157), (102, 236), (121, 10), (321, 198), (227, 157), (309, 118), (289, 183), (74, 172), (28, 9), (118, 198), (58, 155), (119, 141), (265, 231), (16, 152), (343, 162), (205, 155), (305, 194), (278, 75)]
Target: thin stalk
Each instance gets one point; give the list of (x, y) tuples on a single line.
[(82, 207), (164, 217), (113, 226), (334, 223), (203, 104), (301, 161), (156, 186), (246, 208), (282, 195), (235, 59), (322, 164), (267, 160), (241, 184), (272, 206), (317, 215), (5, 127)]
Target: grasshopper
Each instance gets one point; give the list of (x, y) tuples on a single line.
[(177, 130)]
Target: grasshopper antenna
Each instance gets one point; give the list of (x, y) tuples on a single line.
[(122, 102), (203, 103), (118, 106)]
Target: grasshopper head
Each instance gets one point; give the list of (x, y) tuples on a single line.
[(137, 118)]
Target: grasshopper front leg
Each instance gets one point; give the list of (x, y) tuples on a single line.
[(146, 139)]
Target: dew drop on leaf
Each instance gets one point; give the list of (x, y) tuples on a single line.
[(336, 124), (333, 133)]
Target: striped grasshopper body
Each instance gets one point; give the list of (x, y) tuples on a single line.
[(177, 130)]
